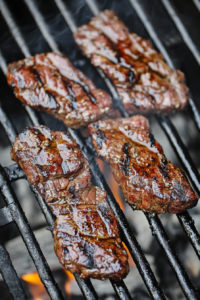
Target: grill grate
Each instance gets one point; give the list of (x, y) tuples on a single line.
[(14, 173)]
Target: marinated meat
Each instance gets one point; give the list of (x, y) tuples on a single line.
[(148, 180), (86, 233), (49, 82), (140, 75)]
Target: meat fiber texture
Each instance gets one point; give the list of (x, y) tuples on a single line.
[(145, 83), (148, 180), (49, 82), (86, 233)]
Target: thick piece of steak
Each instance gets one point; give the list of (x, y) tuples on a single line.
[(148, 180), (49, 82), (140, 75), (86, 233)]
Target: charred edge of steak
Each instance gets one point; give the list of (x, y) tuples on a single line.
[(163, 168), (152, 139)]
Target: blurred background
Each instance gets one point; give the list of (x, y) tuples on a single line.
[(189, 14)]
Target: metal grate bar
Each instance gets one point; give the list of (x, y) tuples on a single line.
[(181, 152), (182, 276), (121, 290), (41, 23), (183, 30), (135, 250), (188, 225), (29, 238), (16, 32), (197, 3), (10, 276), (5, 216), (14, 172), (163, 240), (151, 31), (9, 129)]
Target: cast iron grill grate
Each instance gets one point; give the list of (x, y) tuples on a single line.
[(13, 212)]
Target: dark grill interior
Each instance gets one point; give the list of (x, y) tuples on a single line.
[(27, 28)]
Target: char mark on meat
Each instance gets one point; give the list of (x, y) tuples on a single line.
[(125, 167), (49, 82), (148, 180), (86, 233), (139, 73), (100, 138)]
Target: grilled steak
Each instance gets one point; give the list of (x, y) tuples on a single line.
[(49, 82), (140, 75), (149, 181), (86, 233)]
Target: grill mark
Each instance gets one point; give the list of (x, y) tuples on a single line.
[(86, 90), (35, 72), (52, 99), (117, 59), (100, 138), (163, 168), (95, 125), (131, 76), (84, 87), (152, 140), (71, 189), (152, 99), (72, 97), (131, 73), (88, 250), (125, 166)]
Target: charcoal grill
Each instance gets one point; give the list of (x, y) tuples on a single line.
[(12, 212)]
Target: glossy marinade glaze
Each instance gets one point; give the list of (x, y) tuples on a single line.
[(86, 232), (148, 180), (139, 73), (49, 82)]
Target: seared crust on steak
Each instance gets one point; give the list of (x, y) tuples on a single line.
[(140, 75), (49, 82), (148, 180), (86, 233)]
